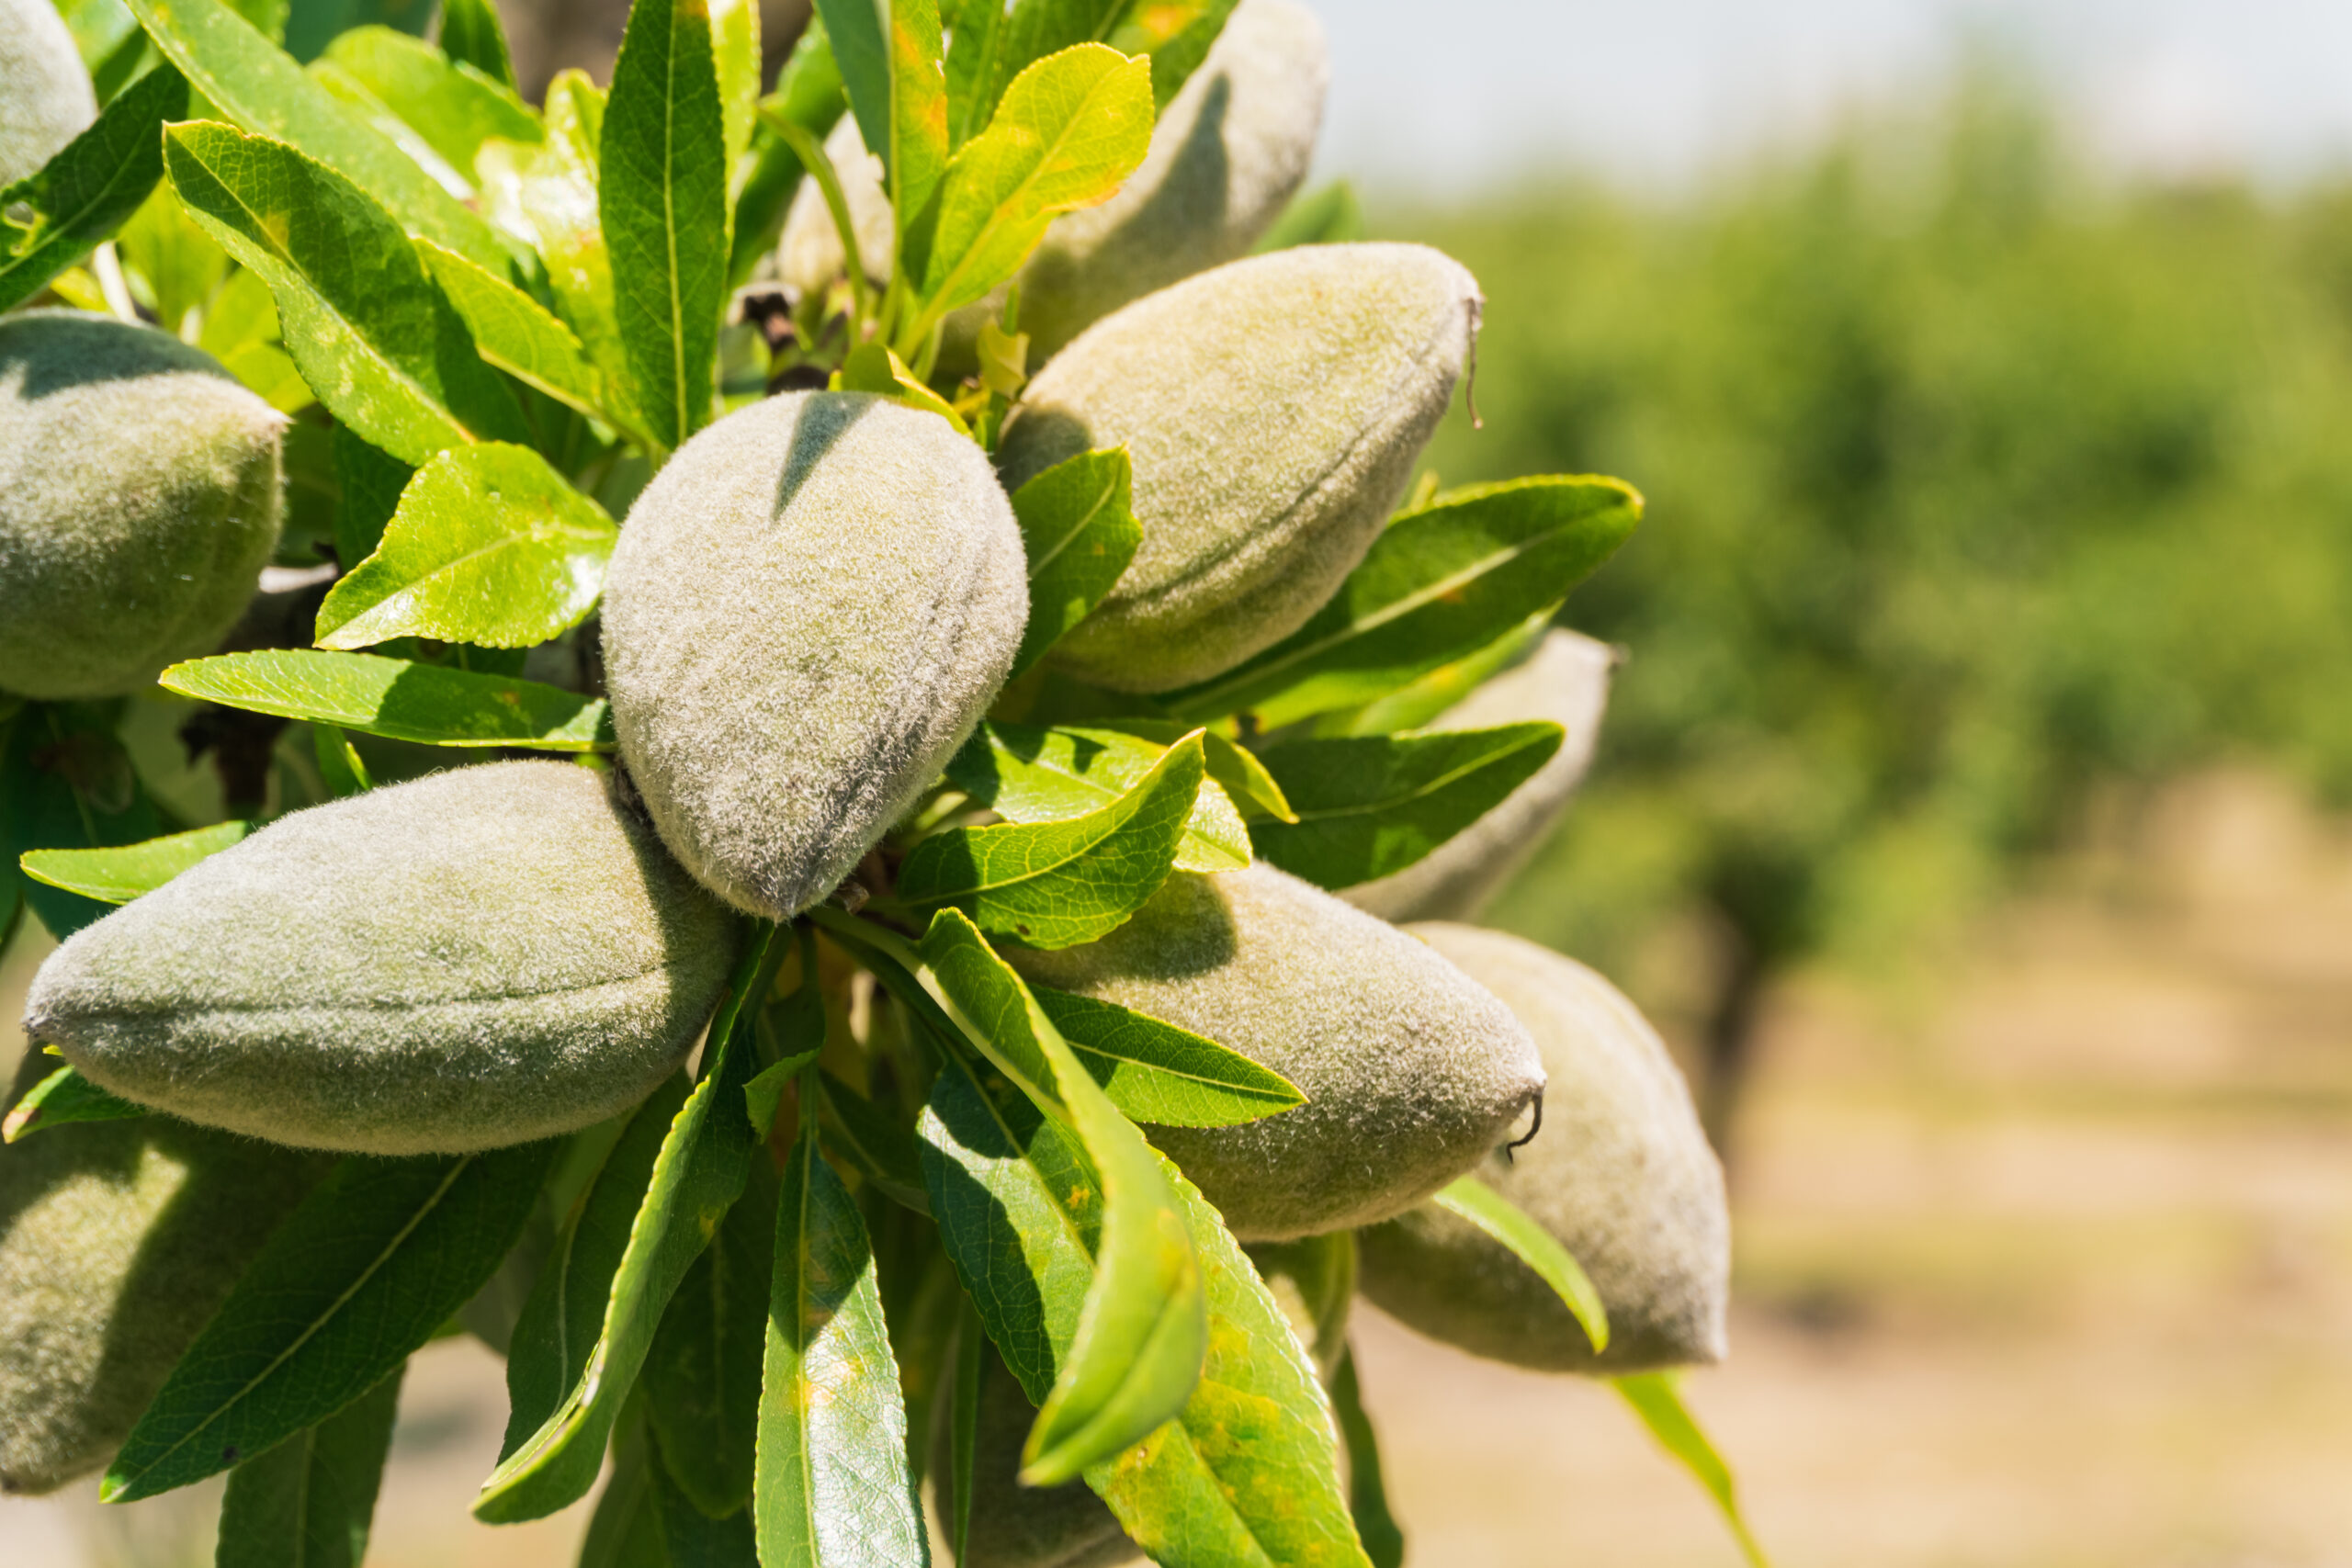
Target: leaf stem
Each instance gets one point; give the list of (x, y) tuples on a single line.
[(812, 156)]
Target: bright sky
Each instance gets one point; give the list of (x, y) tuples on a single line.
[(1437, 94)]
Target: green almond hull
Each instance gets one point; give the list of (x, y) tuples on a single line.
[(118, 1240), (810, 610), (1621, 1175), (1274, 409), (477, 958), (138, 502), (1411, 1072)]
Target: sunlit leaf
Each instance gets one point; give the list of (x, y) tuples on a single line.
[(118, 874), (373, 333), (700, 1172), (490, 546), (1027, 774), (662, 200), (1496, 1217), (1078, 531), (1439, 583), (1070, 130), (397, 698), (254, 86), (1155, 1072), (834, 1490), (1657, 1398), (1248, 1471), (1057, 884), (1368, 807), (889, 55), (62, 1098)]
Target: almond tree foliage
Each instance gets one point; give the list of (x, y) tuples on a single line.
[(1947, 440), (752, 1297)]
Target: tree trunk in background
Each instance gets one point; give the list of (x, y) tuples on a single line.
[(1729, 1042)]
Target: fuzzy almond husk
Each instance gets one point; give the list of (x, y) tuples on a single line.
[(118, 1240), (1411, 1072), (1566, 680), (1273, 409), (45, 95), (1619, 1175), (1015, 1526), (138, 502), (809, 609), (474, 958)]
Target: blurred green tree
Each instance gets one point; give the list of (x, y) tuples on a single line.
[(1976, 482)]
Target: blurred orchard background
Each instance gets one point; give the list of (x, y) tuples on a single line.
[(1968, 810)]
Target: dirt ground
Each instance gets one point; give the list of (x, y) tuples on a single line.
[(2047, 1262)]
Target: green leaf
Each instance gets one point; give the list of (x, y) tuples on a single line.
[(1657, 1398), (397, 698), (859, 1134), (490, 546), (691, 1538), (87, 190), (562, 1319), (374, 336), (1473, 1199), (515, 332), (1025, 774), (663, 202), (704, 1162), (62, 1098), (254, 86), (1439, 583), (65, 783), (808, 94), (117, 875), (626, 1530), (1070, 130), (1320, 1271), (308, 1502), (1383, 1543), (834, 1490), (1371, 805), (872, 368), (977, 72), (339, 767), (367, 1269), (1328, 215), (1078, 529), (1427, 697), (453, 109), (1177, 34), (1132, 1353), (889, 55), (735, 50), (1155, 1072), (701, 1382), (472, 35), (369, 482), (1062, 883), (1247, 1473), (549, 194), (1234, 766), (312, 25)]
